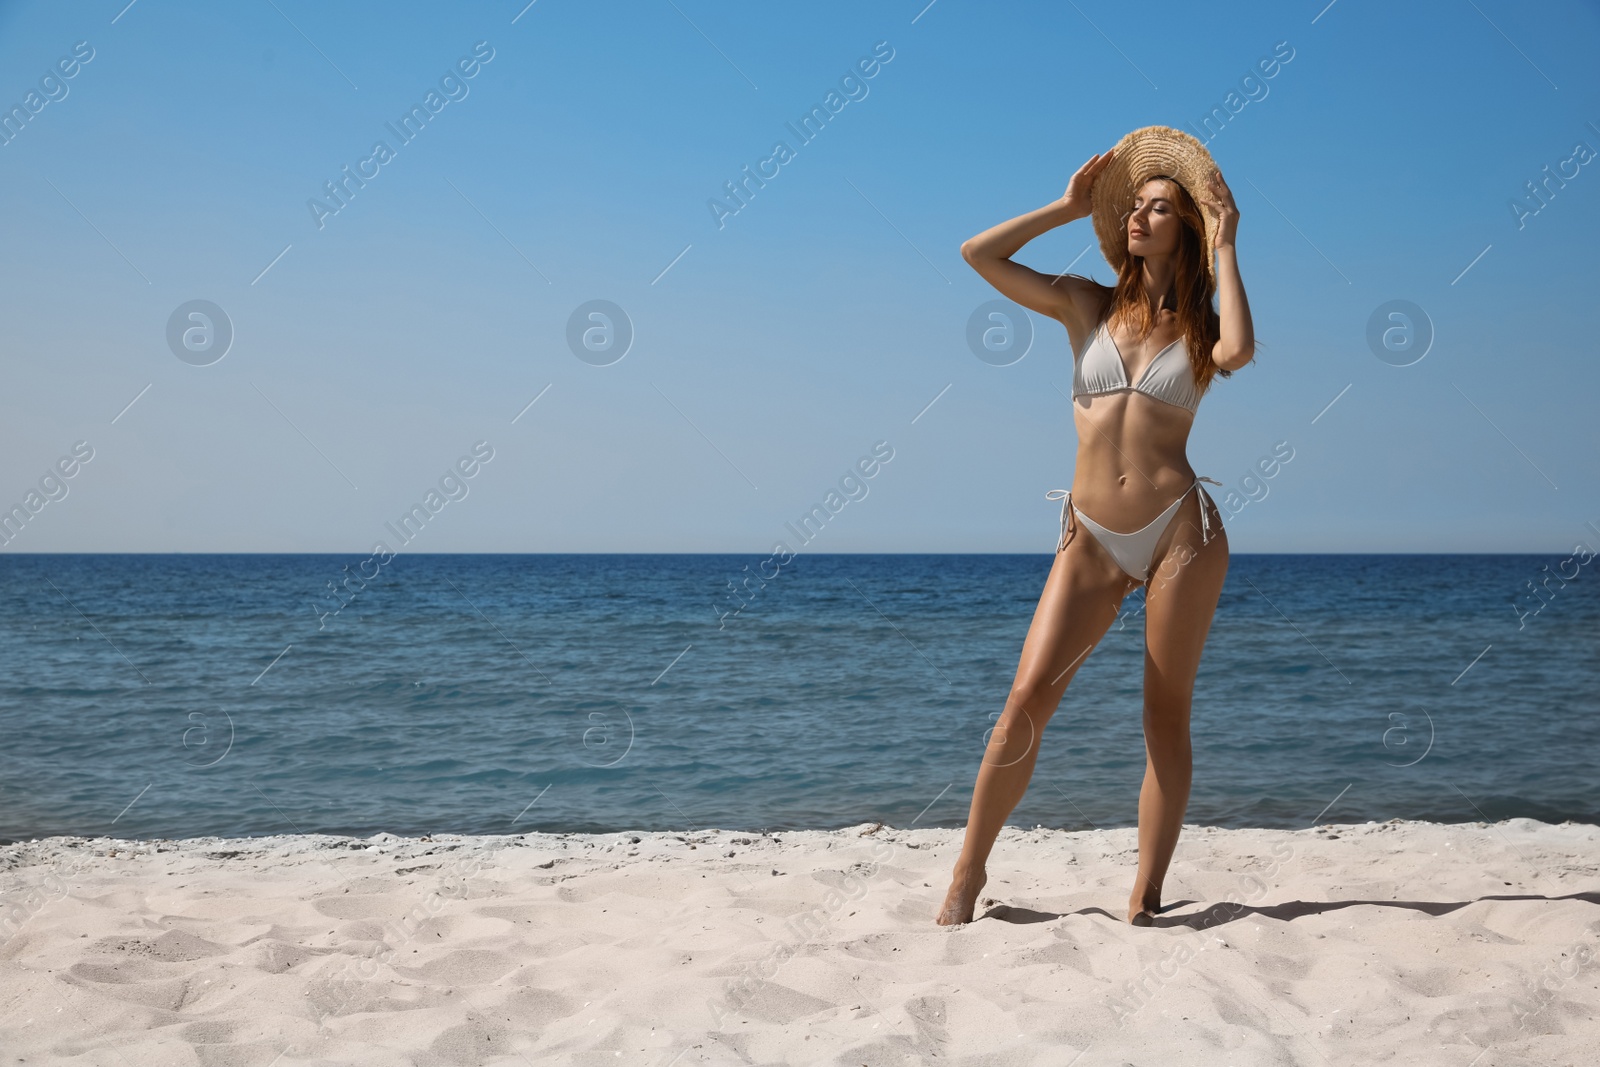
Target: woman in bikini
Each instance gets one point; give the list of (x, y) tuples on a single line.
[(1144, 353)]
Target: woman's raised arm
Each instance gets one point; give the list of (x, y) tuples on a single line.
[(1237, 345), (1060, 296)]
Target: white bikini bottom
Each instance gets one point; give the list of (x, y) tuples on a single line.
[(1134, 552)]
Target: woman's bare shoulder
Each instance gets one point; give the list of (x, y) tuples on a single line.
[(1086, 299)]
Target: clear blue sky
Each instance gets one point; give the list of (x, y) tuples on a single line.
[(423, 316)]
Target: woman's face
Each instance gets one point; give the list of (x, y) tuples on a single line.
[(1153, 224)]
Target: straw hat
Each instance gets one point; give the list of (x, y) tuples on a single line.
[(1139, 156)]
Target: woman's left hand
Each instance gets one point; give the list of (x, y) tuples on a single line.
[(1223, 210)]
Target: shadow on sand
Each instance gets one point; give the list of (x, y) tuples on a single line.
[(1219, 914)]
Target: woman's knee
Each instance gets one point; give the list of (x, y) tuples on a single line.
[(1167, 719), (1168, 746), (1168, 698), (1167, 743), (1036, 698)]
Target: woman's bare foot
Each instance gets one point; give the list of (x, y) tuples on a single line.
[(959, 902), (1143, 912)]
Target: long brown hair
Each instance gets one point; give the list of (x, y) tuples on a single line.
[(1192, 290)]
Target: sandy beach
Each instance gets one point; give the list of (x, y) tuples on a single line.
[(1402, 942)]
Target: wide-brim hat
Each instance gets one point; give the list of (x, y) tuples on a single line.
[(1137, 158)]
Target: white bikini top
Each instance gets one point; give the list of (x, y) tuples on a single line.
[(1169, 377)]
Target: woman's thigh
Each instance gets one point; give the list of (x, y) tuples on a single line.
[(1080, 601), (1181, 597)]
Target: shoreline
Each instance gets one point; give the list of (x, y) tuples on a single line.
[(389, 839)]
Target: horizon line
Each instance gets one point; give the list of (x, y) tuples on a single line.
[(732, 552)]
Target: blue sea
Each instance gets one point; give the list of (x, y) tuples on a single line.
[(186, 695)]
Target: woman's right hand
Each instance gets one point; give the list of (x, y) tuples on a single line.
[(1077, 196)]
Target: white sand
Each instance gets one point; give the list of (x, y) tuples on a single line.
[(1402, 943)]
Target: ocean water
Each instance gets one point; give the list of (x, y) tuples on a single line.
[(176, 696)]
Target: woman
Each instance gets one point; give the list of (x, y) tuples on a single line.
[(1156, 330)]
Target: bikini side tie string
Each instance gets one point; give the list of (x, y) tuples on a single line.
[(1065, 496), (1205, 514)]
